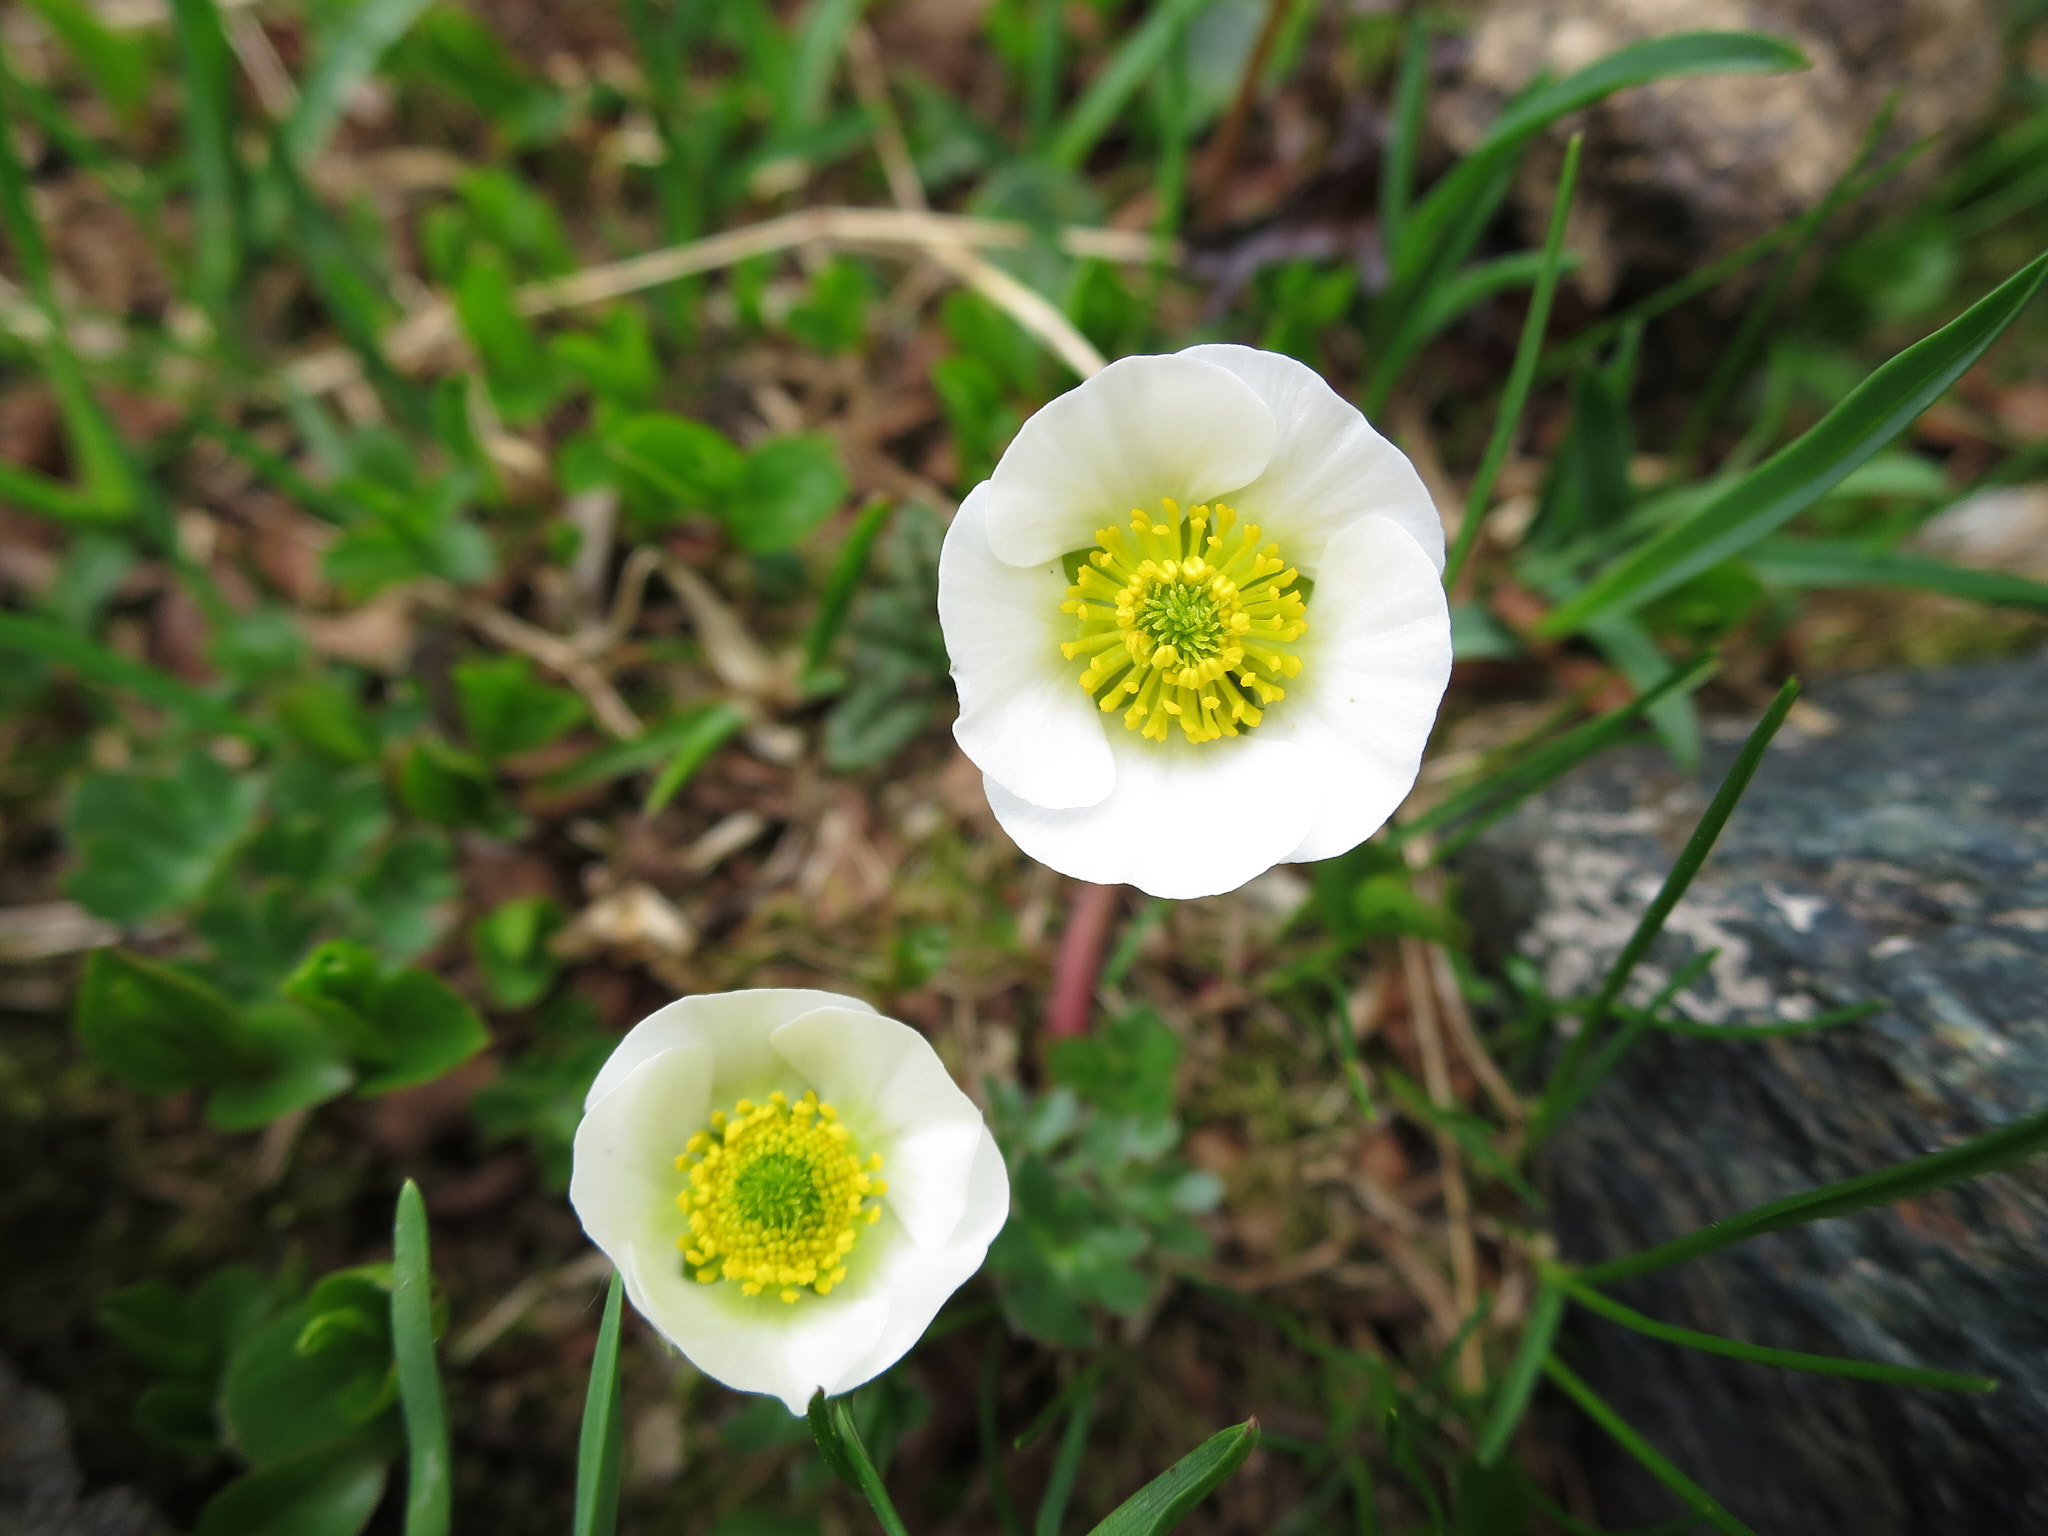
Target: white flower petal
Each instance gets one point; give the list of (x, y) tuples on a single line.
[(919, 1280), (623, 1183), (1328, 467), (757, 1343), (736, 1026), (1023, 714), (1143, 428), (896, 1097), (1375, 663), (1185, 819)]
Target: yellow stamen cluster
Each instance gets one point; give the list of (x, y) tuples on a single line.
[(777, 1197), (1171, 607)]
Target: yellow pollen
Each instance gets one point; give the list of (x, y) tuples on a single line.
[(1169, 610), (777, 1196)]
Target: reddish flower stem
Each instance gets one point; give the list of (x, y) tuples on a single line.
[(1080, 960)]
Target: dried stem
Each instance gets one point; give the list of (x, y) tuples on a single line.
[(1436, 1079)]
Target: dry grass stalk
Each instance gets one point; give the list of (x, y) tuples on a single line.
[(1436, 1079)]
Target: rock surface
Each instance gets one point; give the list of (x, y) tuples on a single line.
[(41, 1489), (1684, 170), (1895, 847)]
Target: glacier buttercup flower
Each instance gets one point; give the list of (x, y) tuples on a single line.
[(789, 1183), (1197, 621)]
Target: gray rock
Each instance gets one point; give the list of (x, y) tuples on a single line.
[(1684, 170), (41, 1489), (1896, 848)]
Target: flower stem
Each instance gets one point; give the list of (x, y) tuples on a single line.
[(839, 1440), (1080, 961)]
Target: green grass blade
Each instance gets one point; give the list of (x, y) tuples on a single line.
[(1136, 59), (117, 64), (1420, 324), (839, 1414), (1161, 1504), (709, 729), (1522, 374), (1761, 502), (1397, 162), (208, 89), (110, 669), (1806, 563), (1478, 807), (1511, 1398), (597, 1446), (1567, 1087), (344, 63), (844, 582), (1689, 1492), (2024, 1138), (1066, 1465), (1785, 1359), (1660, 58), (987, 1412), (818, 48), (429, 1490), (1639, 658)]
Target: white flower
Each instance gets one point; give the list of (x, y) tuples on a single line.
[(1197, 622), (731, 1162)]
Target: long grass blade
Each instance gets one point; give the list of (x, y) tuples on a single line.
[(1511, 1398), (1808, 563), (1397, 162), (209, 101), (345, 63), (1509, 422), (1162, 1503), (1567, 1087), (1135, 60), (1066, 1465), (1762, 501), (597, 1446), (110, 669), (1605, 1306), (844, 582), (1474, 809), (1419, 324), (1690, 1493), (429, 1491), (2024, 1138)]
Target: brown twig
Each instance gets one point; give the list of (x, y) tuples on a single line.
[(1222, 159), (1080, 960), (1436, 1079)]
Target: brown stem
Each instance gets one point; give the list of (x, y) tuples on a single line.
[(1080, 960), (1222, 157)]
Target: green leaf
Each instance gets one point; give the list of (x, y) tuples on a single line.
[(1162, 1503), (279, 1400), (296, 1066), (366, 30), (506, 710), (1801, 564), (510, 943), (1785, 1359), (399, 905), (710, 728), (788, 487), (1511, 1397), (660, 744), (328, 1491), (429, 1491), (1762, 501), (157, 1029), (597, 1445), (673, 466), (404, 1029), (1689, 1492), (2024, 1138), (455, 51), (109, 669), (448, 787), (521, 373), (323, 715)]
